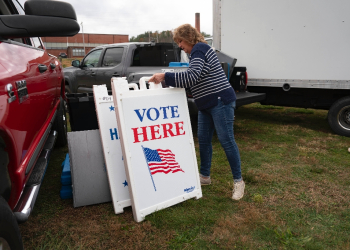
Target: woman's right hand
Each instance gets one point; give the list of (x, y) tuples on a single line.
[(157, 78)]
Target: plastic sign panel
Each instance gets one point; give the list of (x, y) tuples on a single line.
[(111, 148), (88, 170), (157, 142)]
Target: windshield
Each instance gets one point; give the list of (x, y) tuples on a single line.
[(210, 42)]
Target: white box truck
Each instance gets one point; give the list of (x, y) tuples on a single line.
[(297, 52)]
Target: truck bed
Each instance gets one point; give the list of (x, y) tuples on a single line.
[(244, 98)]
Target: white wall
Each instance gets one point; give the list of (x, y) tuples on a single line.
[(288, 39)]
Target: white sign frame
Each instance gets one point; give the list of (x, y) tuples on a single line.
[(121, 94), (111, 148)]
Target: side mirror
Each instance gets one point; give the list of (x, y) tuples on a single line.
[(76, 63), (42, 18)]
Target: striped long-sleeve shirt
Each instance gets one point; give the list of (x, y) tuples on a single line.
[(205, 77)]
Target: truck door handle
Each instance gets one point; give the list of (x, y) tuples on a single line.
[(93, 74), (42, 68), (116, 75)]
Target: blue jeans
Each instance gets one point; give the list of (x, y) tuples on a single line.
[(221, 119)]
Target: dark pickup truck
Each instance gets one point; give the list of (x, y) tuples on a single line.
[(135, 60)]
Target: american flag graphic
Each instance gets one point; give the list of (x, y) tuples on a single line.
[(161, 161)]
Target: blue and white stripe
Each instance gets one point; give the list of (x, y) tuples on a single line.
[(205, 77)]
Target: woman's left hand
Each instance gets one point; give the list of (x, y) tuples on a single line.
[(157, 78)]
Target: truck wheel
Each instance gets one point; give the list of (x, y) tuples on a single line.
[(67, 91), (10, 237), (5, 181), (339, 116), (60, 125)]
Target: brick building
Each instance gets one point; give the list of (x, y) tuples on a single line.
[(74, 46)]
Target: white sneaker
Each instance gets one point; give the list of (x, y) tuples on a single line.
[(204, 180), (238, 190)]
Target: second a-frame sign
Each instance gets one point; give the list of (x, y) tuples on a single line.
[(111, 148)]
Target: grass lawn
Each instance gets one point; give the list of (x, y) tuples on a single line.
[(297, 174), (67, 62)]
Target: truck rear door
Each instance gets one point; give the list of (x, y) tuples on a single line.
[(111, 66)]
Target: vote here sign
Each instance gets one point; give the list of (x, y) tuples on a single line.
[(157, 143), (112, 151)]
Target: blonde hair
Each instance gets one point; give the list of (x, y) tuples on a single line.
[(189, 34)]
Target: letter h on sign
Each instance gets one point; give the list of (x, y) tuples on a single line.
[(115, 133)]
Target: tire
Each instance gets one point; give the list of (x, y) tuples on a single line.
[(10, 236), (339, 116), (5, 181), (60, 125), (67, 91)]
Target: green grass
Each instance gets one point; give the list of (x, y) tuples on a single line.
[(297, 174), (67, 62)]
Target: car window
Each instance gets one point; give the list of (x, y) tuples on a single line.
[(91, 60), (37, 43), (136, 58), (19, 8), (112, 57), (210, 42)]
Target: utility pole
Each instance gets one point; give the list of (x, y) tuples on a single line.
[(82, 29)]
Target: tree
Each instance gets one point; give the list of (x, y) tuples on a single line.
[(160, 37), (205, 34), (165, 36)]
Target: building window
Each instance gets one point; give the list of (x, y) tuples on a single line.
[(78, 52)]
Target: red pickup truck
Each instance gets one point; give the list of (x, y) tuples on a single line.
[(32, 113)]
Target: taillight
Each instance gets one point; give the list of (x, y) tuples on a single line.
[(243, 81), (188, 93)]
